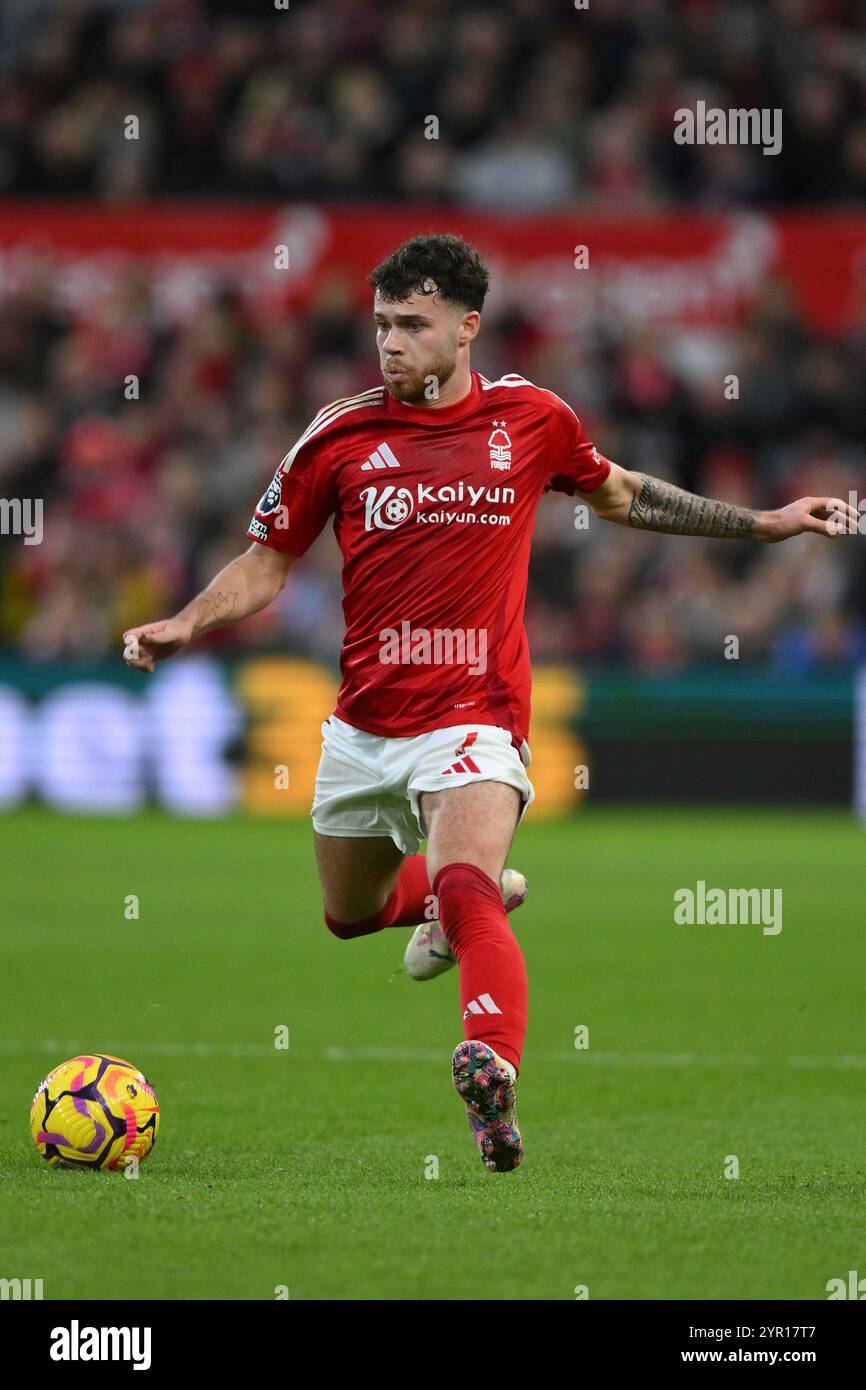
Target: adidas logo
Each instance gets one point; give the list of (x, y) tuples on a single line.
[(482, 1005), (464, 763), (381, 457)]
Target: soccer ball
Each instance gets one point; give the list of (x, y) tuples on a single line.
[(94, 1112)]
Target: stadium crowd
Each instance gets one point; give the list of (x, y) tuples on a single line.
[(147, 497), (538, 104)]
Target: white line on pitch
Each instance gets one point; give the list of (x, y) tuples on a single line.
[(155, 1048), (583, 1057)]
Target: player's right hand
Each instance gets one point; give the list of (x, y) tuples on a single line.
[(144, 646)]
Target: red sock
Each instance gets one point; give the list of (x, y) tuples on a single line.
[(409, 904), (493, 988)]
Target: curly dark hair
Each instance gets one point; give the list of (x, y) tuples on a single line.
[(449, 263)]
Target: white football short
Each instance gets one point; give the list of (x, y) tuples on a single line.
[(369, 785)]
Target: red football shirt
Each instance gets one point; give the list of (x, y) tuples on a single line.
[(433, 512)]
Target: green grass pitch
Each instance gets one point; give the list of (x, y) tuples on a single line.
[(305, 1168)]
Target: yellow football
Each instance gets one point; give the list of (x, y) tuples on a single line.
[(94, 1111)]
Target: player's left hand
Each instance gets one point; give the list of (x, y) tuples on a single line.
[(826, 516)]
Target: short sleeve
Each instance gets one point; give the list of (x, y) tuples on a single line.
[(295, 506), (574, 464)]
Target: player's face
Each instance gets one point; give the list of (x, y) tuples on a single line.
[(419, 339)]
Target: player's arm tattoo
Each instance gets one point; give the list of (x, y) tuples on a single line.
[(221, 604), (660, 506)]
